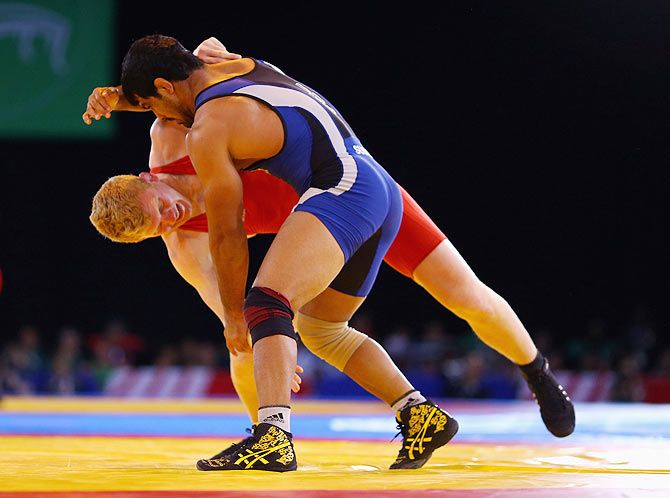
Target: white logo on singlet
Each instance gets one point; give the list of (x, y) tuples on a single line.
[(360, 150), (316, 97)]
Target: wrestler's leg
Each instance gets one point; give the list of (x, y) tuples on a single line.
[(369, 366), (302, 260), (424, 426), (242, 375), (449, 279)]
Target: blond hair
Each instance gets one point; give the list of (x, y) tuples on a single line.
[(117, 211)]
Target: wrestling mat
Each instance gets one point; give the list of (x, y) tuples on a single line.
[(147, 448)]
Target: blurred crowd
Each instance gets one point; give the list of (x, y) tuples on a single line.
[(79, 363), (443, 362)]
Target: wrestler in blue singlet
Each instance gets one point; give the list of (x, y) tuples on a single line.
[(322, 159)]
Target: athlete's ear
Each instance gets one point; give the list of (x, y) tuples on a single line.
[(163, 86), (148, 177)]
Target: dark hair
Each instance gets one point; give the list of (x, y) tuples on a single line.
[(151, 57)]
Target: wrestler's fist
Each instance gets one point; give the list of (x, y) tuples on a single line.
[(212, 51), (102, 101)]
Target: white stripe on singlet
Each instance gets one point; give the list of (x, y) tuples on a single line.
[(286, 97)]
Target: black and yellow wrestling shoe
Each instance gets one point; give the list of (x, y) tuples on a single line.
[(233, 447), (424, 427), (269, 448), (556, 408)]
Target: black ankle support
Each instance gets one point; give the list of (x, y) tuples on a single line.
[(534, 365)]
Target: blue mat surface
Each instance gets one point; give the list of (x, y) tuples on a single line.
[(485, 422)]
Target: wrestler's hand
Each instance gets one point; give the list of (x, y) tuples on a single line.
[(296, 381), (238, 339), (212, 51), (101, 102)]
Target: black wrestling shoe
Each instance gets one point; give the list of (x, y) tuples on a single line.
[(556, 408), (424, 428), (269, 448), (233, 447)]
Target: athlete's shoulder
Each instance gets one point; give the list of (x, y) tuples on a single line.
[(231, 103), (248, 129)]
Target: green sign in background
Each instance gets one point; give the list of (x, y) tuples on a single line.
[(52, 54)]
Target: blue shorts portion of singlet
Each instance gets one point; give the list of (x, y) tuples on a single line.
[(364, 221)]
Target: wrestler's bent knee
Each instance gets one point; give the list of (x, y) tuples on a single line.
[(333, 342)]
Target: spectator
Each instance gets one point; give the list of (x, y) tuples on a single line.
[(628, 385), (464, 376), (397, 345), (209, 355), (662, 365), (593, 350), (501, 378), (29, 343), (70, 373), (640, 335), (168, 356), (22, 365), (116, 345), (433, 344), (189, 352)]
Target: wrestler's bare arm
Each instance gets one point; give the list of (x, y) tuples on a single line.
[(209, 145), (189, 254), (103, 101), (107, 99)]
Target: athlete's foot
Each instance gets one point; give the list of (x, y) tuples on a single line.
[(556, 408), (269, 448), (230, 450), (424, 427)]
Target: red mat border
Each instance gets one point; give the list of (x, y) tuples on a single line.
[(394, 493)]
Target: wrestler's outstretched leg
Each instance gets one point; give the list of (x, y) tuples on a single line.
[(449, 279)]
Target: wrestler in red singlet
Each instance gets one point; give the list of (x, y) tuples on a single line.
[(268, 201)]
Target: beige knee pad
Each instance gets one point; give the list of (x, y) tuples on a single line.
[(333, 342)]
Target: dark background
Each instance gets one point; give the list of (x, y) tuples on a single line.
[(533, 134)]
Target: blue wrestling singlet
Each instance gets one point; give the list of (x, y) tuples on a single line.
[(322, 159)]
